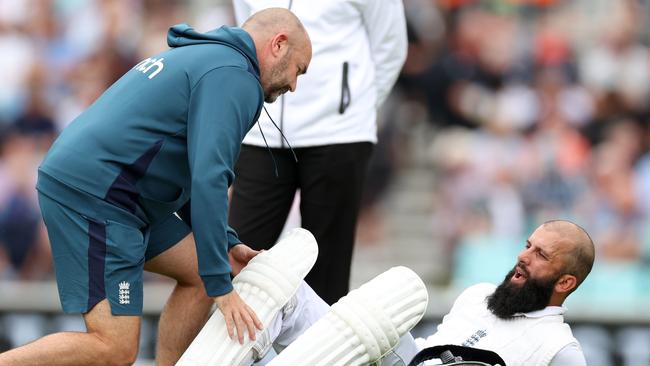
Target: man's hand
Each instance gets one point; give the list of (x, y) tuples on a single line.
[(239, 256), (238, 316)]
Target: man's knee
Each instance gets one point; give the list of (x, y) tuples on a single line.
[(117, 337), (126, 358), (192, 280), (118, 351)]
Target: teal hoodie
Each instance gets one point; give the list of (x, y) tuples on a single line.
[(167, 132)]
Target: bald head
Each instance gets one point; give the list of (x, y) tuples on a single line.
[(272, 21), (283, 49), (579, 248)]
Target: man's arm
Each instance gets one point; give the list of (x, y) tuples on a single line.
[(185, 213), (222, 106), (386, 27)]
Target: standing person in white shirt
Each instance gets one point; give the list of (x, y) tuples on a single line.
[(359, 47), (521, 319)]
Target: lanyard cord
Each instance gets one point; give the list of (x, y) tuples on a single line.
[(275, 164)]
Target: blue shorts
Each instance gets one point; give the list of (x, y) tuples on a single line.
[(96, 259)]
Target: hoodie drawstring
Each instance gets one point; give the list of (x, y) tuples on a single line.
[(275, 164)]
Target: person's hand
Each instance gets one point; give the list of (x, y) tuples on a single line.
[(238, 316), (239, 255)]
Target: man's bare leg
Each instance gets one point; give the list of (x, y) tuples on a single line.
[(187, 308), (110, 340)]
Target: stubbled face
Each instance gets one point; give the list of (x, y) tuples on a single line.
[(530, 284), (283, 75), (276, 82)]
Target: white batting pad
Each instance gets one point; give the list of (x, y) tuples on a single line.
[(362, 326), (266, 284)]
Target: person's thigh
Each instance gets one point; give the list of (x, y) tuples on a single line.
[(94, 259), (302, 311), (261, 201), (166, 234), (178, 262), (171, 251), (331, 182)]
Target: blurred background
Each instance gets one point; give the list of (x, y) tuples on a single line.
[(507, 113)]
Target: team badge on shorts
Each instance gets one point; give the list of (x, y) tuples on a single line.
[(123, 294)]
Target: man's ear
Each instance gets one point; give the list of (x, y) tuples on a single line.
[(279, 45), (566, 284)]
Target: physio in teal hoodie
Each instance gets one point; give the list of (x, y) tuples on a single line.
[(162, 140)]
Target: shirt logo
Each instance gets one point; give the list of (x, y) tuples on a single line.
[(145, 65), (471, 341), (124, 296)]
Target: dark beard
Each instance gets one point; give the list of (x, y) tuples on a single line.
[(509, 299)]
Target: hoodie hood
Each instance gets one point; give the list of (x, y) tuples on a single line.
[(182, 35)]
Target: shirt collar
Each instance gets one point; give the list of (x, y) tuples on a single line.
[(547, 311)]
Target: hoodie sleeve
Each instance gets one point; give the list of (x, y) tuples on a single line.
[(386, 27), (223, 105), (185, 213)]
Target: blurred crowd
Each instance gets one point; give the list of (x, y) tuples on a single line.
[(540, 109)]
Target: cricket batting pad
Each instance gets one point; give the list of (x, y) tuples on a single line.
[(266, 284), (362, 326)]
